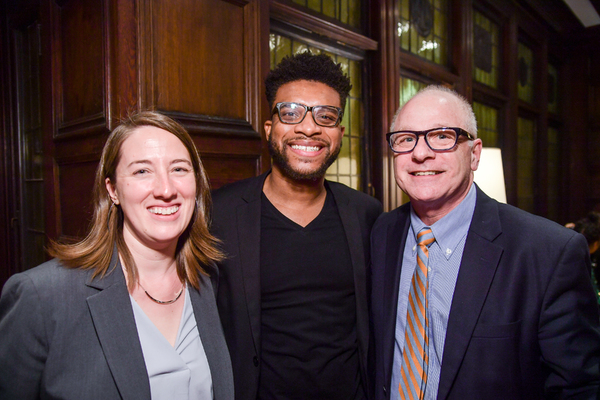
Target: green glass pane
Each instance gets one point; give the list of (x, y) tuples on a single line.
[(283, 48), (355, 79), (427, 41), (355, 117), (355, 153), (344, 157), (486, 51), (525, 73), (329, 8), (314, 5), (487, 125), (525, 164), (354, 13)]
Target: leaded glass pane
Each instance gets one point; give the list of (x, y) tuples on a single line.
[(486, 43), (347, 168), (552, 89), (408, 88), (345, 11), (525, 78), (525, 164), (423, 29), (553, 173), (487, 124)]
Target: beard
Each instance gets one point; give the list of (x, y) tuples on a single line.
[(281, 159)]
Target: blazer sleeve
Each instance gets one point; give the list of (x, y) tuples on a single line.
[(568, 326), (24, 344)]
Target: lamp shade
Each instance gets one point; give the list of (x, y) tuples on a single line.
[(490, 175)]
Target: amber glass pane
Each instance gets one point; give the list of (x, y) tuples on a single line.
[(345, 11), (423, 29), (525, 78), (552, 89), (525, 164), (347, 168), (486, 37), (553, 173), (487, 124)]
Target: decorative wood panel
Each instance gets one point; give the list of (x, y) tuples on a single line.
[(79, 66)]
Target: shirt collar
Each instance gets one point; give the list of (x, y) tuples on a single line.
[(450, 229)]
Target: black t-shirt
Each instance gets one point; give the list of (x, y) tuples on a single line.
[(308, 321)]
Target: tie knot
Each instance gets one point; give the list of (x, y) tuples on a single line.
[(425, 236)]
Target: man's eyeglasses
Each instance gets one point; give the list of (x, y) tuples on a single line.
[(438, 139), (294, 113)]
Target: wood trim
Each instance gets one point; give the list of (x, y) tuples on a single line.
[(205, 125), (302, 19)]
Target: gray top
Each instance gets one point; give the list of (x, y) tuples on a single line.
[(180, 372)]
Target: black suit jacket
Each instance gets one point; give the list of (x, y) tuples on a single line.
[(64, 335), (523, 322), (236, 221)]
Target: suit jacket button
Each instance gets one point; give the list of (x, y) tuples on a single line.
[(384, 391), (255, 361)]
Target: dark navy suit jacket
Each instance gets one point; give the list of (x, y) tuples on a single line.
[(523, 322)]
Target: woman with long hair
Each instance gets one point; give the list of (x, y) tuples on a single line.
[(128, 312)]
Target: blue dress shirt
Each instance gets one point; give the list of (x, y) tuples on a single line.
[(445, 255)]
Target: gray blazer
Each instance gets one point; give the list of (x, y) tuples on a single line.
[(65, 335)]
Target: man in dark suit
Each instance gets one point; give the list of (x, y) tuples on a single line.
[(293, 290), (473, 299)]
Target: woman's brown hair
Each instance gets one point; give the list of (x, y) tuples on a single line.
[(196, 247)]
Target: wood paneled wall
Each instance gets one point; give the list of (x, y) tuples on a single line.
[(195, 60)]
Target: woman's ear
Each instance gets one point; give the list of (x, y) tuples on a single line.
[(112, 191)]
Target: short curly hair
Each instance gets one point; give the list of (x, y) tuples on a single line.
[(310, 67)]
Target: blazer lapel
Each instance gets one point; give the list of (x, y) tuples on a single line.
[(248, 226), (354, 238), (395, 242), (211, 334), (114, 322), (478, 266)]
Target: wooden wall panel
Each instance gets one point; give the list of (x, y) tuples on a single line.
[(80, 65), (76, 181), (198, 67)]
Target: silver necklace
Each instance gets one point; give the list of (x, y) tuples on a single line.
[(164, 303)]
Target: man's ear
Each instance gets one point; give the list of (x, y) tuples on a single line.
[(268, 126), (476, 154)]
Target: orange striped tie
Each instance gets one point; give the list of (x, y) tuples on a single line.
[(415, 358)]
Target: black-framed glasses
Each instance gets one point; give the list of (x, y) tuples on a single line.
[(438, 139), (294, 113)]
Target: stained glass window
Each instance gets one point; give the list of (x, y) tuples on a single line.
[(487, 124), (552, 88), (345, 11), (423, 29), (347, 169), (525, 78), (486, 43), (525, 164)]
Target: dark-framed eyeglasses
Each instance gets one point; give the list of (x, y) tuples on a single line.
[(438, 139), (294, 113)]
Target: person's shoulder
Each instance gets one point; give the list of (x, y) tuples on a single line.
[(518, 221), (355, 195), (393, 216), (51, 276), (235, 189)]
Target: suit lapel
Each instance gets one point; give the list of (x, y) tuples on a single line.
[(478, 266), (114, 322), (353, 232), (209, 328), (394, 247), (248, 226)]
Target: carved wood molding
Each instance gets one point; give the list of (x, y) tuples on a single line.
[(304, 20)]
